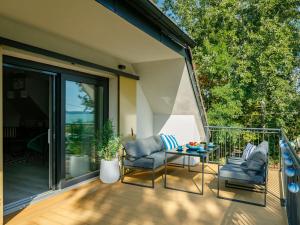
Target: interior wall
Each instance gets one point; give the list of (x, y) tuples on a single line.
[(127, 104), (38, 92), (144, 114), (167, 86), (1, 136)]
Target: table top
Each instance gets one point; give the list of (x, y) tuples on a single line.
[(190, 152)]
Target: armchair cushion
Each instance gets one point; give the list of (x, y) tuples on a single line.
[(235, 160), (236, 173), (263, 147), (147, 162), (143, 147), (255, 162)]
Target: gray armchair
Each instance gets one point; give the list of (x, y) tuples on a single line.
[(244, 174), (144, 154)]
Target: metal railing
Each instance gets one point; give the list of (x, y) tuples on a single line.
[(232, 141), (290, 180)]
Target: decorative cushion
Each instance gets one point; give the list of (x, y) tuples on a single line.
[(143, 147), (169, 141), (247, 151), (263, 147), (255, 162)]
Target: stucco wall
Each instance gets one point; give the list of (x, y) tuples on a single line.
[(167, 87), (184, 127), (144, 114), (127, 106), (113, 101)]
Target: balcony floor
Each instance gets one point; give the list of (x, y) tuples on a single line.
[(97, 203)]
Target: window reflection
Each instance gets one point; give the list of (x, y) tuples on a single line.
[(79, 129)]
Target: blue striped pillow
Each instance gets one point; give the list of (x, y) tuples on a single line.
[(248, 150), (169, 141)]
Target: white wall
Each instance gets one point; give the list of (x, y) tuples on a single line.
[(166, 99), (167, 87), (113, 101), (144, 114), (184, 127), (127, 110)]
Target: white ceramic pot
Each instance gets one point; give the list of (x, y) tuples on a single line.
[(109, 171), (79, 165)]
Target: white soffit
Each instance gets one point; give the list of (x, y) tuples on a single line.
[(86, 23)]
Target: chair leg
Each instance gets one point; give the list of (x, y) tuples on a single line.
[(243, 201), (153, 177), (218, 191), (244, 187), (265, 195), (138, 184)]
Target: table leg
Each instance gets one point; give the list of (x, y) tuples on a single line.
[(202, 175), (165, 183)]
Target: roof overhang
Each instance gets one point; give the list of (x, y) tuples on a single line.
[(86, 24), (148, 17)]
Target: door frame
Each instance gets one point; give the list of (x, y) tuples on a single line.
[(12, 62), (88, 79), (61, 74)]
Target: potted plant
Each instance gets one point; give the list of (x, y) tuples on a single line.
[(108, 146), (79, 161)]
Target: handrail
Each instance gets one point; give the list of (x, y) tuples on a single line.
[(244, 128), (293, 154), (289, 161)]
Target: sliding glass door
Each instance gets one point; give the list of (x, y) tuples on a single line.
[(84, 110)]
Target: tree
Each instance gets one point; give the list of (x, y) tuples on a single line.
[(247, 59)]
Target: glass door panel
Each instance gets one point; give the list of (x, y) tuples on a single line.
[(80, 127)]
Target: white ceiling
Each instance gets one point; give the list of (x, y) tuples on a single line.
[(86, 23)]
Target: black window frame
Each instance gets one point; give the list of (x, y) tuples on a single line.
[(62, 74), (88, 79)]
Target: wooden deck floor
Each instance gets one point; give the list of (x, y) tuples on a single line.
[(97, 203)]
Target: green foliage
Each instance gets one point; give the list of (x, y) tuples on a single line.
[(246, 59), (109, 151), (107, 143), (78, 134)]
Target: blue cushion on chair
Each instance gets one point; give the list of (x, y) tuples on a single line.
[(248, 151), (263, 147), (236, 173), (255, 162), (235, 160), (147, 162), (143, 147), (169, 141)]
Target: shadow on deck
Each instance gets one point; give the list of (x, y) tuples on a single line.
[(97, 203)]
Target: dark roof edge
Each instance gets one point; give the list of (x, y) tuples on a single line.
[(155, 15), (146, 16)]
